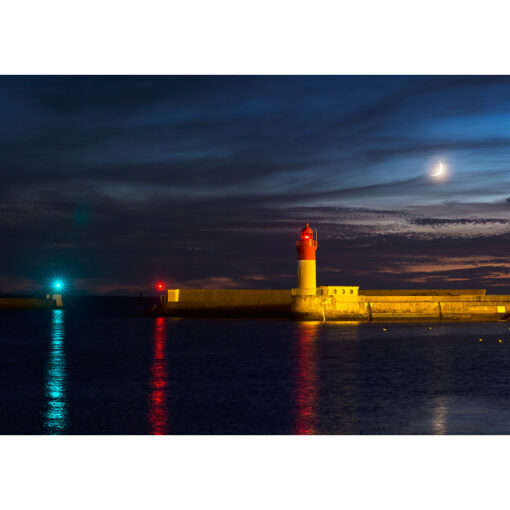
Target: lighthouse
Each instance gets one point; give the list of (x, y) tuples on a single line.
[(306, 247)]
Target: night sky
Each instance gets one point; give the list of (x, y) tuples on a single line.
[(116, 182)]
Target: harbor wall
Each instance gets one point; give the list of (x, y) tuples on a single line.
[(443, 305), (337, 304), (226, 303), (424, 292), (25, 304)]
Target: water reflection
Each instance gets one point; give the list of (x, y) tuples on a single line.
[(341, 377), (158, 406), (440, 374), (306, 384), (440, 414), (55, 418)]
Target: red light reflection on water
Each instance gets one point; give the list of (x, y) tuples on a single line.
[(158, 407), (306, 383)]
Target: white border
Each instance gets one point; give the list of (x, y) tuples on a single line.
[(254, 472), (232, 37), (254, 37)]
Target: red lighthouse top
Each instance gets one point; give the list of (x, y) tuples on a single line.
[(307, 245), (306, 233)]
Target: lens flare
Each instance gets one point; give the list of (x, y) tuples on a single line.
[(57, 283)]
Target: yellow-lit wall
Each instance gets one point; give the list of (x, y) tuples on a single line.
[(306, 278), (393, 307)]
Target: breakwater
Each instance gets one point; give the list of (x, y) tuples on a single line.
[(225, 303), (30, 303), (337, 304), (340, 304), (26, 304)]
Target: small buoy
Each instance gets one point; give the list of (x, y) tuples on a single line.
[(500, 341), (430, 328), (384, 329), (479, 339)]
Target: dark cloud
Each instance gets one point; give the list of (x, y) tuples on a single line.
[(118, 181), (457, 221)]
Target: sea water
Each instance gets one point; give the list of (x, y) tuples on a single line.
[(96, 367)]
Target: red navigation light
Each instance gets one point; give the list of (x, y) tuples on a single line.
[(306, 233), (160, 286)]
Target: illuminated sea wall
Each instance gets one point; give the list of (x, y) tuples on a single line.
[(226, 303), (25, 304), (338, 304), (446, 305)]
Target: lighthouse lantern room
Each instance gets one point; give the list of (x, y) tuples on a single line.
[(306, 270)]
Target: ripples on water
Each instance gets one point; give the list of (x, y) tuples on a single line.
[(158, 405), (86, 370), (306, 380), (55, 418)]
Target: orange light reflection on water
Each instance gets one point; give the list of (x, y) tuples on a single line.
[(306, 383), (158, 405)]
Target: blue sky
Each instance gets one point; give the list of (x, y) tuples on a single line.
[(205, 181)]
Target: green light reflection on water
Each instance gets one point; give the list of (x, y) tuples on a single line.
[(55, 418)]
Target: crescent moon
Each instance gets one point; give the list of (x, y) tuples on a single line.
[(439, 171)]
